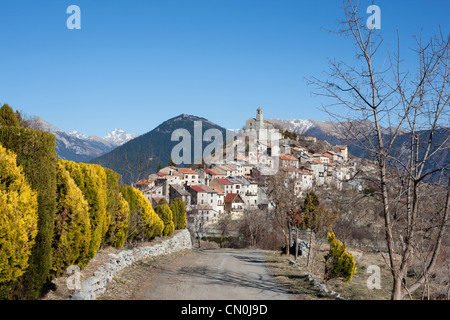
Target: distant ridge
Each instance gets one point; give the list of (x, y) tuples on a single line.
[(76, 146), (141, 156)]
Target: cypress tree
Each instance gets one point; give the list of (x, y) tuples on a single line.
[(7, 117), (165, 214)]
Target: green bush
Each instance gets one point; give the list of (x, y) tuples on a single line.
[(18, 218), (144, 223), (91, 179), (72, 234), (36, 154), (338, 262), (164, 212)]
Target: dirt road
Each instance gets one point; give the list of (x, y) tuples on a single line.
[(207, 275)]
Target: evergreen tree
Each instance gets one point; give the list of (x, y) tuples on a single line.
[(18, 219), (8, 117), (178, 207), (165, 214), (315, 218), (72, 233), (338, 262)]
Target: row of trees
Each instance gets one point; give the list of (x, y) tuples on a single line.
[(90, 209)]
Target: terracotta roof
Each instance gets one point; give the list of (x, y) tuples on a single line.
[(219, 191), (197, 188), (231, 197), (203, 188), (287, 157), (224, 181), (144, 182), (213, 172), (187, 171)]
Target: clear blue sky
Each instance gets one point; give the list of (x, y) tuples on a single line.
[(135, 64)]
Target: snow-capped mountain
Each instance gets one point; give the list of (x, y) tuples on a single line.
[(76, 146), (118, 137), (296, 125)]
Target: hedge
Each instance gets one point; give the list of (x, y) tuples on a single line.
[(91, 179), (72, 234), (18, 218), (144, 223), (118, 209), (37, 156)]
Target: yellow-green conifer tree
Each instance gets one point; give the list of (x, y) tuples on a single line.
[(18, 218)]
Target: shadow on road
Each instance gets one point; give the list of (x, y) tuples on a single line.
[(214, 276)]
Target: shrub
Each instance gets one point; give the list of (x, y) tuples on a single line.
[(18, 218), (91, 179), (144, 223), (338, 262), (72, 234), (36, 154), (165, 214)]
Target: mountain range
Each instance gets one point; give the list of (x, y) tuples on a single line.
[(78, 147), (134, 157), (332, 133), (139, 157)]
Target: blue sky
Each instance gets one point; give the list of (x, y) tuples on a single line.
[(135, 64)]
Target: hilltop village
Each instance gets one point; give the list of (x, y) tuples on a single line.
[(212, 190)]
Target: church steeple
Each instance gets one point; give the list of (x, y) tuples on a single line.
[(259, 115)]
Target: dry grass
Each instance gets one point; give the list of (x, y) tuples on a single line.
[(356, 289)]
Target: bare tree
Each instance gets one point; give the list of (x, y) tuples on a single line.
[(376, 92), (280, 190), (223, 225), (133, 164)]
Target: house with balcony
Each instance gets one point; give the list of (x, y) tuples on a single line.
[(190, 177), (234, 204)]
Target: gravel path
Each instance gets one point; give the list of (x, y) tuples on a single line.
[(201, 275)]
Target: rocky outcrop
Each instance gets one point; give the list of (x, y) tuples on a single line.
[(95, 286)]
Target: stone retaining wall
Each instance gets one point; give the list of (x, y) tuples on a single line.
[(95, 286)]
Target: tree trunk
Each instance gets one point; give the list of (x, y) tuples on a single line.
[(296, 243), (397, 291), (310, 247)]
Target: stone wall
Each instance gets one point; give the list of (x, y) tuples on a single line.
[(95, 286)]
